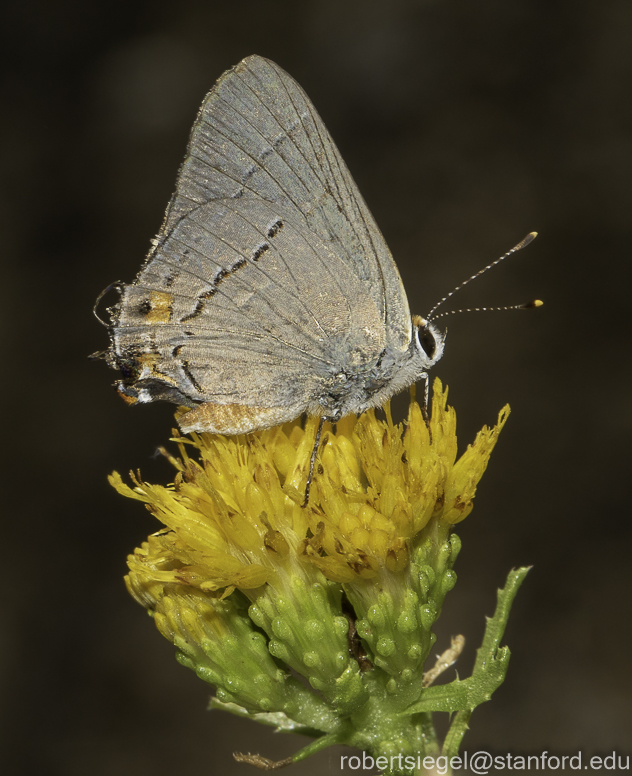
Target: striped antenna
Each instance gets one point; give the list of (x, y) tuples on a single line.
[(536, 303), (525, 306)]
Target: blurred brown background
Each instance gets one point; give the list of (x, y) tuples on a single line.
[(466, 124)]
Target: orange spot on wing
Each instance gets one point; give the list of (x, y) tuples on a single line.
[(126, 397), (161, 307)]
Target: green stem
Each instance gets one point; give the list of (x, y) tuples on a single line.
[(488, 657), (458, 728)]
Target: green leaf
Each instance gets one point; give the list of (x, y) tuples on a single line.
[(490, 668)]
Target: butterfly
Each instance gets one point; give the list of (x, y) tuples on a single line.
[(269, 291)]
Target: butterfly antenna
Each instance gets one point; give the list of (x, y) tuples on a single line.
[(522, 244), (525, 306)]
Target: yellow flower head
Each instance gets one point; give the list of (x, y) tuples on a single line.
[(234, 516)]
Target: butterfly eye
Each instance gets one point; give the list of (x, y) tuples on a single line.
[(427, 342)]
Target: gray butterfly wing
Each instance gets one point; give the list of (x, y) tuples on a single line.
[(269, 276), (257, 134), (242, 307)]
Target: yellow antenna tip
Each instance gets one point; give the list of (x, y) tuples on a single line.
[(537, 303)]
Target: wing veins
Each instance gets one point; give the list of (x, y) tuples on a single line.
[(252, 288), (231, 140), (285, 130), (240, 333), (330, 150), (315, 170)]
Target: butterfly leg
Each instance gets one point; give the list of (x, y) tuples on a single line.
[(312, 460), (424, 404)]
